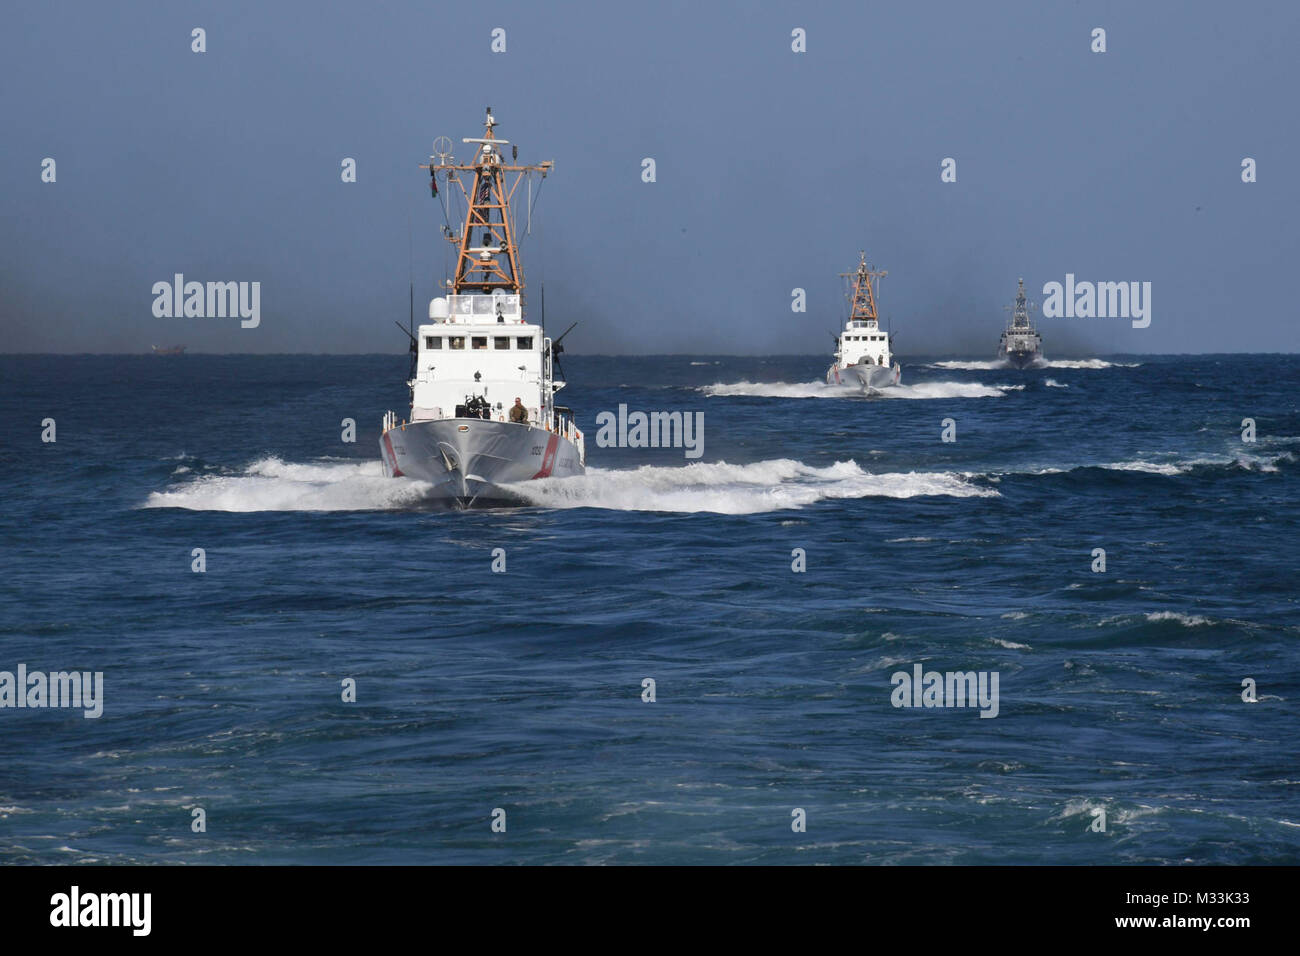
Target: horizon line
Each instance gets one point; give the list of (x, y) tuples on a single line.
[(734, 355)]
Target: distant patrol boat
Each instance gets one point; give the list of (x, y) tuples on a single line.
[(168, 349), (862, 355), (1020, 346), (482, 384)]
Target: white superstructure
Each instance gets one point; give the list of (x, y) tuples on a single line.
[(863, 341), (481, 347)]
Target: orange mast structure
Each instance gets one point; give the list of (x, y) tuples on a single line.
[(863, 302), (493, 261)]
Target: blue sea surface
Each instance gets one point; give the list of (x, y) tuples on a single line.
[(1119, 690)]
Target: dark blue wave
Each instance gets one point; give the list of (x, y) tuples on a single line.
[(1119, 689)]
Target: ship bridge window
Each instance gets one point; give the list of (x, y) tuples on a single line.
[(525, 342), (433, 341), (480, 341), (458, 341), (501, 342)]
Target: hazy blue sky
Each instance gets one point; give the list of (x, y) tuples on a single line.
[(773, 167)]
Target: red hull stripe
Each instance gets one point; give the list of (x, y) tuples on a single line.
[(548, 459), (392, 456)]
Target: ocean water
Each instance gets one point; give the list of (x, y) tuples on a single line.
[(1119, 691)]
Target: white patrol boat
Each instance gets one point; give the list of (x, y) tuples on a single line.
[(862, 354), (483, 415), (1020, 346)]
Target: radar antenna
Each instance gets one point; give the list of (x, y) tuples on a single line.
[(442, 151)]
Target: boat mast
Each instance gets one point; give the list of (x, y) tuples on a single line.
[(863, 307), (487, 257), (1020, 315)]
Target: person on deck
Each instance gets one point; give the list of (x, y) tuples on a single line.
[(518, 413)]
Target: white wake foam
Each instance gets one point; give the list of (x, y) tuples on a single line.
[(1150, 467), (1090, 363), (948, 390), (736, 489), (969, 365), (1178, 466), (1266, 464), (822, 390), (1053, 383), (973, 365), (782, 390), (1186, 620), (270, 484)]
